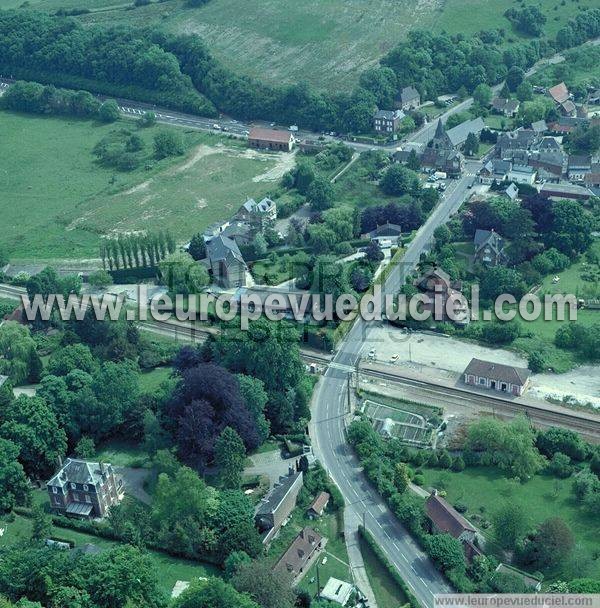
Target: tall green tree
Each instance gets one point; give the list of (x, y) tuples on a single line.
[(230, 454)]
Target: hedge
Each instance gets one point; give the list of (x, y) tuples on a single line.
[(393, 572)]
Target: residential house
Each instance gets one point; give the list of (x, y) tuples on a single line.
[(494, 170), (594, 97), (387, 121), (568, 108), (539, 126), (578, 167), (489, 248), (447, 160), (258, 213), (436, 284), (521, 174), (241, 232), (497, 377), (387, 235), (297, 559), (445, 519), (531, 581), (516, 144), (592, 179), (566, 124), (552, 161), (410, 99), (507, 107), (271, 139), (214, 230), (565, 191), (84, 489), (226, 262), (559, 93), (512, 192), (318, 505), (276, 506)]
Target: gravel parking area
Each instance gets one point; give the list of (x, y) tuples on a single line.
[(442, 357)]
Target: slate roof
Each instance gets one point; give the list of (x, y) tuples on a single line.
[(221, 247), (565, 190), (512, 192), (409, 94), (277, 493), (79, 471), (508, 106), (580, 162), (458, 135), (387, 229), (559, 92), (539, 126), (389, 114), (498, 371), (568, 106), (446, 517), (262, 207), (523, 169)]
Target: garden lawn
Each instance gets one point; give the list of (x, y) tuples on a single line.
[(484, 489), (386, 591), (168, 568), (121, 453), (151, 380), (57, 202)]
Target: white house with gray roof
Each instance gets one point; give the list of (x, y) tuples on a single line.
[(84, 489)]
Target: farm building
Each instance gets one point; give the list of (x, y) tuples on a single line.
[(271, 139)]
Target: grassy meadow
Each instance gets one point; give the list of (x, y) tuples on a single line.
[(484, 489), (57, 202)]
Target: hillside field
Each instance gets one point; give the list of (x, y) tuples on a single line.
[(326, 43), (56, 201)]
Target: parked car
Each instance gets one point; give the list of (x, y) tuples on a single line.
[(216, 127)]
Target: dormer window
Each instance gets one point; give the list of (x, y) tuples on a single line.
[(85, 487), (54, 490), (73, 486)]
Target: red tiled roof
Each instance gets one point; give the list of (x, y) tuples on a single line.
[(320, 502), (559, 92), (270, 135), (446, 517), (299, 552)]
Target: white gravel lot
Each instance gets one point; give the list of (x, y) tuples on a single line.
[(441, 357)]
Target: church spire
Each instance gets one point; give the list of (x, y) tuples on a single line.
[(439, 131)]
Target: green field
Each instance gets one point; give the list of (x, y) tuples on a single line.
[(484, 489), (169, 569), (57, 202), (386, 591)]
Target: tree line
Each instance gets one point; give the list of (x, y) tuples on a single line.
[(179, 71), (136, 250)]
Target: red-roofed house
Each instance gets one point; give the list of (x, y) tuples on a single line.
[(271, 139), (445, 519), (559, 93), (318, 505)]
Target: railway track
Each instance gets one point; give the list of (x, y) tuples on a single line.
[(544, 414)]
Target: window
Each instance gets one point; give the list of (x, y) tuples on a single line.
[(85, 487), (481, 380), (56, 500), (73, 486), (54, 490), (87, 498)]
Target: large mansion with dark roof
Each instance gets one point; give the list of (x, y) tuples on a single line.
[(84, 489)]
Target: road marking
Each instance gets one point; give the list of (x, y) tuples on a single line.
[(340, 366)]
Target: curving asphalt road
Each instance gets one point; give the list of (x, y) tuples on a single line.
[(363, 503)]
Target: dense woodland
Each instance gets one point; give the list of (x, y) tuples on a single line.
[(179, 70)]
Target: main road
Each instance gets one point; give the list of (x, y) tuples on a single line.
[(363, 503)]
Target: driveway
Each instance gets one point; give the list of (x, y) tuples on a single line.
[(134, 479), (272, 464)]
